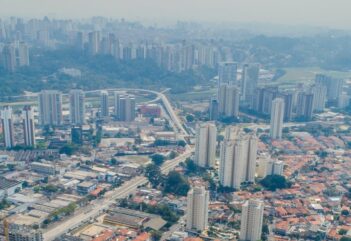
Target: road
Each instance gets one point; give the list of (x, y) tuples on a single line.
[(98, 206)]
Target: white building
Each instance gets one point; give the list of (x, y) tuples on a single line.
[(268, 166), (319, 97), (249, 82), (50, 107), (251, 220), (197, 209), (277, 118), (228, 100), (7, 125), (205, 146), (227, 73), (237, 158), (124, 107), (28, 126), (76, 107)]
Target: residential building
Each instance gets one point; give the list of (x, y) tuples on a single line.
[(77, 107), (205, 146), (251, 220), (319, 97), (124, 107), (7, 126), (28, 126), (277, 117), (304, 109), (227, 73), (197, 208), (228, 100), (249, 82), (50, 107), (104, 104), (237, 158)]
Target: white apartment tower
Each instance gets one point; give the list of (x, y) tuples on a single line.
[(227, 73), (7, 125), (124, 107), (205, 146), (50, 107), (277, 117), (104, 104), (197, 209), (76, 107), (249, 82), (28, 126), (237, 158), (268, 166), (251, 220), (228, 100), (319, 97)]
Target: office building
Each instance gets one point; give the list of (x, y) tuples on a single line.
[(319, 92), (228, 100), (251, 220), (124, 107), (237, 158), (227, 73), (50, 107), (277, 116), (205, 146), (104, 104), (28, 126), (7, 126), (249, 82), (76, 107), (197, 209)]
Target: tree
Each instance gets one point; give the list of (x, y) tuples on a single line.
[(345, 238), (345, 212), (176, 183), (190, 118), (153, 174), (157, 159), (68, 149), (342, 231), (273, 182)]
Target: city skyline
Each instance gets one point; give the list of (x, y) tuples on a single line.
[(254, 11)]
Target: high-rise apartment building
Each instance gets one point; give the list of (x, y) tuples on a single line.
[(94, 42), (237, 158), (334, 86), (197, 208), (104, 104), (124, 107), (76, 107), (50, 107), (249, 82), (227, 73), (304, 107), (251, 220), (28, 126), (319, 97), (205, 146), (22, 54), (213, 109), (277, 117), (7, 126), (9, 57), (228, 100)]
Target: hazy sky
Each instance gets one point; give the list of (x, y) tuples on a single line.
[(331, 13)]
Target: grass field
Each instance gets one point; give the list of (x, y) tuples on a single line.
[(305, 75)]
